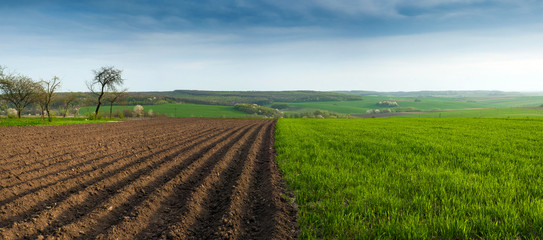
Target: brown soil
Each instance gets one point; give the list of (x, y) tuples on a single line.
[(155, 179)]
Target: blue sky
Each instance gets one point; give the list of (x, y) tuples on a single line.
[(382, 45)]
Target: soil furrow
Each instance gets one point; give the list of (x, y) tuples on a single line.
[(71, 173), (184, 224), (74, 162), (144, 179), (39, 158), (79, 204), (36, 201), (175, 194), (228, 224), (270, 215), (43, 139)]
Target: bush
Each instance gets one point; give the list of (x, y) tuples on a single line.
[(127, 113), (93, 116), (258, 110), (387, 103), (12, 113), (139, 111)]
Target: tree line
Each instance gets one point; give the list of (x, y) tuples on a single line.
[(21, 91)]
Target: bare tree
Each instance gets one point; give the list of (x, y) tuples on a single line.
[(105, 79), (18, 90), (45, 95), (39, 99), (113, 97), (68, 103)]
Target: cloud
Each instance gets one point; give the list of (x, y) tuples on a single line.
[(277, 45)]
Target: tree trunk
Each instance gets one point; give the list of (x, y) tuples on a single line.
[(41, 114), (48, 115), (99, 102)]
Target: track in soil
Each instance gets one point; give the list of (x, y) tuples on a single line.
[(149, 179)]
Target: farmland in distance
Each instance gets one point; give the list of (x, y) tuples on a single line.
[(414, 178)]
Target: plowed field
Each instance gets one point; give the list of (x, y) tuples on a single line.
[(148, 179)]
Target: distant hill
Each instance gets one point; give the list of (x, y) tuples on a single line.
[(230, 98), (448, 94)]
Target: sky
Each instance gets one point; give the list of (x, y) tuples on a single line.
[(253, 45)]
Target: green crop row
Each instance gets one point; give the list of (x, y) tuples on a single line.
[(414, 178)]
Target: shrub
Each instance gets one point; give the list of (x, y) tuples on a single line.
[(258, 110), (150, 113), (12, 113), (139, 111), (387, 103), (162, 101), (93, 116), (127, 113)]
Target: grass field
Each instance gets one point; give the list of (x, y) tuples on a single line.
[(415, 178), (37, 121), (179, 110), (425, 104), (484, 113), (360, 107), (529, 101)]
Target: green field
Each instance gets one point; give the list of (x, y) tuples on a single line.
[(425, 104), (360, 106), (37, 121), (453, 178), (479, 113), (528, 101), (178, 110)]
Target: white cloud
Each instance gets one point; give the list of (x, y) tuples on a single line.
[(503, 59)]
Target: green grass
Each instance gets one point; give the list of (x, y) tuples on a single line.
[(179, 110), (533, 101), (414, 178), (484, 113), (426, 104), (37, 121)]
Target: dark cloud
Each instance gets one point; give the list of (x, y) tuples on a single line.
[(341, 17)]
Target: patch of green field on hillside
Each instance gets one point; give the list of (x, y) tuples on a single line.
[(179, 110), (533, 101), (480, 113), (370, 102), (415, 178)]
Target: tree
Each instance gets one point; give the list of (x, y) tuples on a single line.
[(46, 93), (3, 106), (68, 103), (113, 97), (105, 79), (39, 98), (138, 110), (18, 90)]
